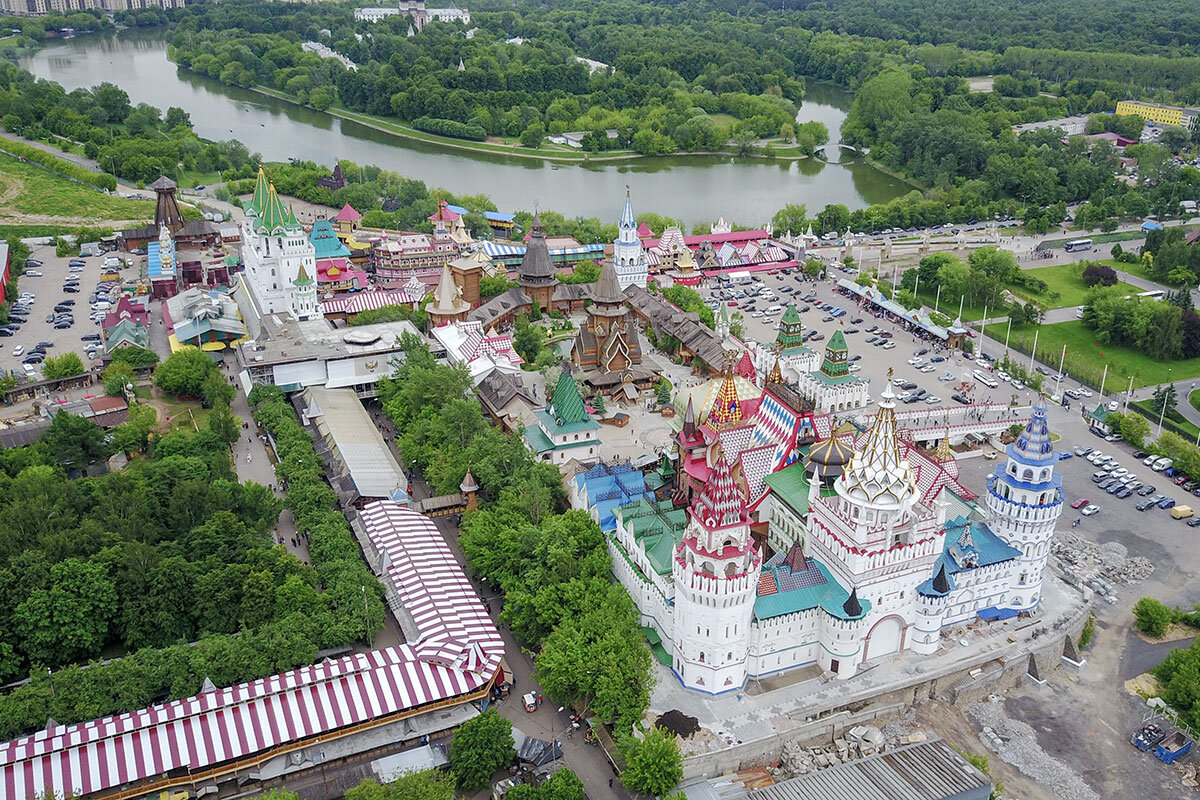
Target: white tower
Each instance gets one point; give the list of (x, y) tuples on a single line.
[(715, 573), (274, 249), (304, 296), (1024, 502), (629, 257)]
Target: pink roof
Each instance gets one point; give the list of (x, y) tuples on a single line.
[(735, 237), (443, 214), (643, 230), (345, 271), (457, 652), (347, 214)]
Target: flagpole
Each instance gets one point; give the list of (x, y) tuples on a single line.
[(1033, 353), (937, 299), (1103, 378), (1061, 361), (1127, 394), (1006, 335), (982, 329)]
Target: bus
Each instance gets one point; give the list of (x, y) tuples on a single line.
[(1156, 294), (1079, 244)]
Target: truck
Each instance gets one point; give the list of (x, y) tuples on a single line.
[(1173, 747)]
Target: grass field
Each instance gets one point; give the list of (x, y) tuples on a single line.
[(1086, 357), (1134, 269), (1071, 288), (29, 189)]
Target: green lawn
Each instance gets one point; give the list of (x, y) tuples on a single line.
[(1071, 288), (50, 194), (1086, 358)]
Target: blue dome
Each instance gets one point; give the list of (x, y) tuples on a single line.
[(1033, 446)]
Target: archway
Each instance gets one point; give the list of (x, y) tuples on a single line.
[(884, 638)]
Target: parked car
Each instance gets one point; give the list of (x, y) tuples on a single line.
[(1090, 510), (1126, 492), (1144, 505), (1080, 503), (1167, 502), (1146, 490)]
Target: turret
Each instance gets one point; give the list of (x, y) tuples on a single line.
[(715, 574), (1024, 501), (629, 256)]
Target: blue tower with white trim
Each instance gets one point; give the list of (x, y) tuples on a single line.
[(1024, 501)]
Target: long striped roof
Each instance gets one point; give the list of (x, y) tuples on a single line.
[(457, 652)]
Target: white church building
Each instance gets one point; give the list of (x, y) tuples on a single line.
[(629, 256), (873, 546), (280, 260)]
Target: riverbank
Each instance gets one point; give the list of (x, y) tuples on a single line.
[(515, 151)]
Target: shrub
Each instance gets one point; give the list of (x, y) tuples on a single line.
[(1152, 617), (448, 127)]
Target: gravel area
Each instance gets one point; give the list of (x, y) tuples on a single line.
[(1016, 743)]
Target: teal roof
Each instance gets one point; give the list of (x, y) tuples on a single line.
[(325, 241), (984, 546), (831, 380), (537, 440), (658, 526), (565, 412), (782, 591), (555, 425)]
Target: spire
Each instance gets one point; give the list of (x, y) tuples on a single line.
[(468, 483), (689, 421), (627, 219), (814, 486), (852, 607), (261, 187), (877, 473), (940, 583), (608, 288), (302, 278), (1033, 446), (726, 411), (720, 502), (944, 453), (446, 299), (776, 375), (536, 267)]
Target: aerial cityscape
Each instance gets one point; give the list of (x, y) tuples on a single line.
[(611, 399)]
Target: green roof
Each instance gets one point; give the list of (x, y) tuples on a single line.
[(274, 215), (566, 412), (325, 242), (658, 526), (831, 380), (830, 596), (837, 341), (790, 485), (261, 188), (302, 278), (1100, 413), (790, 315), (537, 440)]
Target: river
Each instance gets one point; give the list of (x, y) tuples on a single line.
[(693, 188)]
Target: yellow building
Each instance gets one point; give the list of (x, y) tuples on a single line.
[(1162, 115)]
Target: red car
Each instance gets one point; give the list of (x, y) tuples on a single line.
[(1080, 503), (733, 303), (1181, 479)]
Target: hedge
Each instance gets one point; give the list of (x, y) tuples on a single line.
[(448, 127), (100, 180)]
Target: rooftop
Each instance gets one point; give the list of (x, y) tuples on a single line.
[(340, 417), (291, 341)]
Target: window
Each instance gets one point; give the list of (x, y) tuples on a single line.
[(833, 665), (701, 656)]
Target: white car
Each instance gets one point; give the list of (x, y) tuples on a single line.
[(898, 381), (927, 368), (1117, 473), (946, 378), (18, 350), (32, 273), (855, 368), (916, 361), (757, 314), (1089, 510), (903, 396), (1096, 455), (1086, 393), (889, 346), (1018, 385), (933, 399)]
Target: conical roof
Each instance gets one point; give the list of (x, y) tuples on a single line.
[(164, 184), (852, 607), (627, 218), (791, 315), (940, 583), (446, 299), (877, 474), (302, 278), (1033, 446), (608, 288), (837, 341), (720, 502), (831, 455), (536, 267), (727, 410), (468, 483), (274, 216), (261, 189)]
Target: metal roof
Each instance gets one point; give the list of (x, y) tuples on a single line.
[(457, 651), (357, 440), (924, 771)]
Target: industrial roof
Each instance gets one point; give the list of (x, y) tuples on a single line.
[(457, 651), (924, 771), (357, 440)]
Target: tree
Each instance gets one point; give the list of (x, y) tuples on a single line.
[(64, 366), (176, 117), (585, 272), (1134, 428), (792, 217), (662, 391), (116, 375), (426, 785), (223, 424), (1099, 275), (1164, 397), (69, 620), (835, 218), (654, 765), (480, 747), (533, 134), (184, 373), (1152, 617), (490, 286), (74, 441), (813, 267), (136, 356), (216, 390), (134, 433)]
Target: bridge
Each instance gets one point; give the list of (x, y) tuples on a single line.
[(927, 426)]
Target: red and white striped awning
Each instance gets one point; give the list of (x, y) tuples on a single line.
[(459, 651), (362, 301)]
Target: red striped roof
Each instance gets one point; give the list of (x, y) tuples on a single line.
[(458, 651)]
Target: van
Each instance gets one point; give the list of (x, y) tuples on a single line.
[(102, 305), (1181, 512), (774, 309), (1162, 464)]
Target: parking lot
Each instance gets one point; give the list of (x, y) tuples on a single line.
[(870, 362), (48, 290)]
